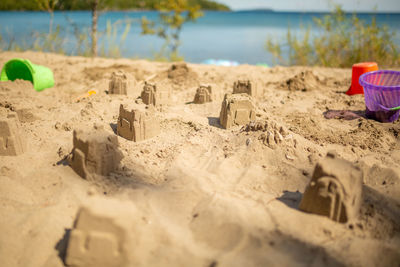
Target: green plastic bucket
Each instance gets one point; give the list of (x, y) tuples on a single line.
[(18, 68)]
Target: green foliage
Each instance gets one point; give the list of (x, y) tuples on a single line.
[(343, 41), (83, 43), (209, 5), (49, 42), (110, 38), (18, 5), (55, 42), (47, 5), (108, 4), (173, 15)]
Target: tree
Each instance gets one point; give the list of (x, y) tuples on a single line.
[(49, 6), (94, 7), (173, 15)]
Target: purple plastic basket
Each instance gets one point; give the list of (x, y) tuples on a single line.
[(382, 94)]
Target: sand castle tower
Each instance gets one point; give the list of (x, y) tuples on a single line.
[(11, 142), (203, 94), (334, 190), (137, 125), (99, 237), (94, 153), (151, 95), (118, 83), (244, 86), (236, 109)]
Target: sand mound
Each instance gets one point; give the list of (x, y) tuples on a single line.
[(179, 76), (304, 81), (96, 73), (364, 135)]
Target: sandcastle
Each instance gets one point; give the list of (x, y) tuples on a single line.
[(203, 94), (244, 86), (334, 190), (137, 125), (11, 142), (100, 235), (236, 109), (94, 153), (118, 83), (151, 95)]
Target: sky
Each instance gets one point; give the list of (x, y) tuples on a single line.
[(316, 5)]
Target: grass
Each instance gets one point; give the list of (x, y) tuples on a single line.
[(111, 41), (343, 41)]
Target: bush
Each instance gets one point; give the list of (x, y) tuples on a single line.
[(343, 41), (173, 14)]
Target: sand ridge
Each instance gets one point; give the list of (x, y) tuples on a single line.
[(198, 194)]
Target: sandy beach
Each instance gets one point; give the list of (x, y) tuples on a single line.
[(197, 194)]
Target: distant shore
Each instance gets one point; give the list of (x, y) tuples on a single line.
[(215, 10), (110, 10), (27, 5)]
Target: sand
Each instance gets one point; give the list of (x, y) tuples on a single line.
[(196, 194)]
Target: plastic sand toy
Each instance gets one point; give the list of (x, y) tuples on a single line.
[(382, 94), (88, 94), (18, 68), (220, 62), (358, 70), (262, 65)]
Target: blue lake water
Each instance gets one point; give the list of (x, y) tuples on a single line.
[(236, 36)]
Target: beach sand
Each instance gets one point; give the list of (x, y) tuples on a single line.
[(197, 194)]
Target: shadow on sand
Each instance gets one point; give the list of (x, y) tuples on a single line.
[(114, 127), (214, 121), (344, 114), (291, 199), (61, 245)]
